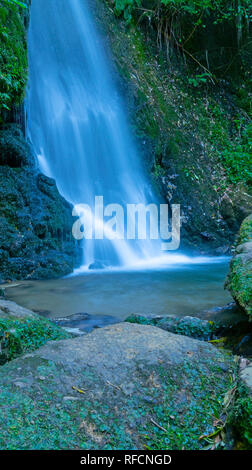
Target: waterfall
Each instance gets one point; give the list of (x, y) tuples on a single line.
[(77, 122)]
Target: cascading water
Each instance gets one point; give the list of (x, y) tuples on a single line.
[(77, 124)]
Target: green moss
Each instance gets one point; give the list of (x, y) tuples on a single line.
[(237, 155), (240, 283), (196, 330), (245, 233), (18, 336), (13, 56), (140, 320), (239, 280)]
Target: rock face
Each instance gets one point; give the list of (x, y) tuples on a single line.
[(123, 387), (239, 280), (179, 135), (35, 221)]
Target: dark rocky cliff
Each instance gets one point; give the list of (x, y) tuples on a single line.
[(35, 220)]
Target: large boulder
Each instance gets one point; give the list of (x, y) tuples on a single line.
[(125, 386), (239, 280)]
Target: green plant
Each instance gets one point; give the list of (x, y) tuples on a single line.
[(126, 7), (13, 55), (198, 80), (158, 171), (190, 173), (222, 9), (238, 156), (241, 416)]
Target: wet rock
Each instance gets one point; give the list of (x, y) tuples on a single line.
[(96, 265), (36, 222), (82, 323), (227, 316), (244, 345), (222, 250)]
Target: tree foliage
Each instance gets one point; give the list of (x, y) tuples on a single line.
[(13, 55), (223, 9), (16, 2), (199, 29)]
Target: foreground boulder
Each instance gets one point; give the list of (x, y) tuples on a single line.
[(125, 386), (239, 280)]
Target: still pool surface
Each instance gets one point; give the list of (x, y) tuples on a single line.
[(175, 290)]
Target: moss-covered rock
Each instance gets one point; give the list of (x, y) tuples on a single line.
[(188, 326), (225, 327), (239, 280), (21, 330)]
